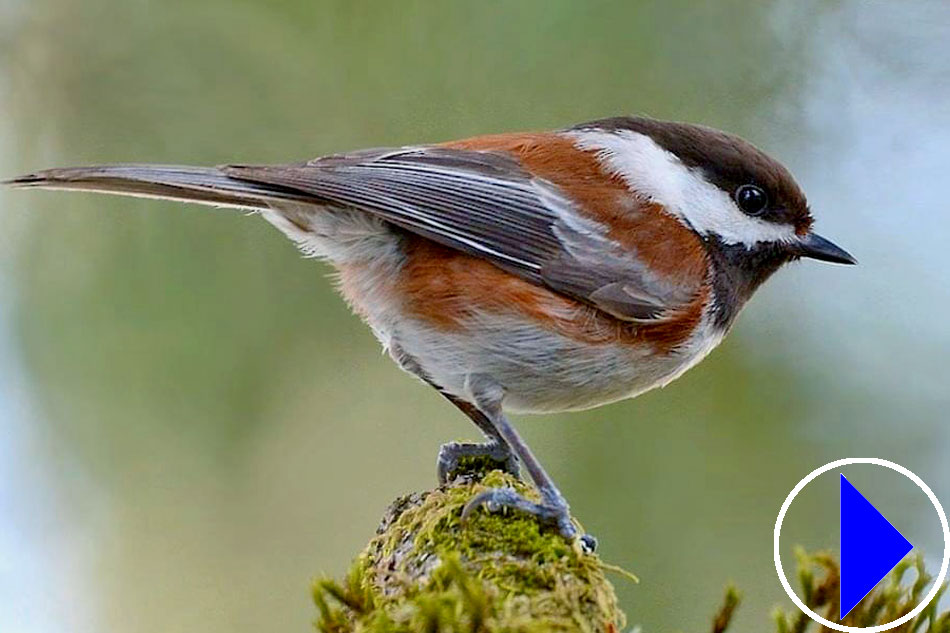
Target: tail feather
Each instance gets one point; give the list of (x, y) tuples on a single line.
[(202, 185)]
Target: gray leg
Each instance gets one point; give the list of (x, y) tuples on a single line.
[(553, 508), (453, 455)]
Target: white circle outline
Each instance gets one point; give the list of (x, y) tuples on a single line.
[(943, 524)]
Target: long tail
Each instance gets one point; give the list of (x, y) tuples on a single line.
[(202, 185)]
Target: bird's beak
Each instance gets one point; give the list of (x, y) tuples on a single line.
[(815, 246)]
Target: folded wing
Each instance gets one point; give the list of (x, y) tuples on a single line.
[(484, 203)]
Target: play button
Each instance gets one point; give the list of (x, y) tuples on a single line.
[(870, 547)]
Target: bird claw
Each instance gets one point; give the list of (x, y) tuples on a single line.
[(588, 543), (456, 457), (501, 499)]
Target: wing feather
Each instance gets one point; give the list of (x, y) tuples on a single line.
[(484, 203)]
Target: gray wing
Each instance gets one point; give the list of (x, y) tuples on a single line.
[(486, 204)]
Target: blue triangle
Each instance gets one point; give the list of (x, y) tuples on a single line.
[(870, 547)]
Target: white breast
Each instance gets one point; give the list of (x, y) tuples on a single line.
[(544, 371)]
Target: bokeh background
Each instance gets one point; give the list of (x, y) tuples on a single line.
[(192, 426)]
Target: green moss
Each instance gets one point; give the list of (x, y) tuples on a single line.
[(427, 571), (475, 466), (903, 590), (819, 578)]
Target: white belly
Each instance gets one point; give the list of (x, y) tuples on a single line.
[(542, 370)]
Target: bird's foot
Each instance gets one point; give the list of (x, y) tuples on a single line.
[(550, 513), (456, 458)]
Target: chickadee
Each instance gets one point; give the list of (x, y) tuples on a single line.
[(531, 272)]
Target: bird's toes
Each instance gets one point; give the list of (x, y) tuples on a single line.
[(504, 499), (456, 459)]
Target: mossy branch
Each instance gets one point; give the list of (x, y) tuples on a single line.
[(426, 571)]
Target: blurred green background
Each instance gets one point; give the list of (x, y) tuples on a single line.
[(192, 426)]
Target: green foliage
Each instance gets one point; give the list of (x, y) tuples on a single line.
[(903, 590), (819, 577), (724, 616), (427, 571)]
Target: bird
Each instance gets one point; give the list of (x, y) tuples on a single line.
[(528, 272)]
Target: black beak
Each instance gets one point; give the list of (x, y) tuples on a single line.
[(815, 246)]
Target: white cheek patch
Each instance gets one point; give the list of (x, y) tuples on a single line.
[(658, 175)]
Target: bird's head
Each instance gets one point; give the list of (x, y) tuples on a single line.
[(745, 206)]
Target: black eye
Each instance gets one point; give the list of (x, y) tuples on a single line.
[(751, 199)]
